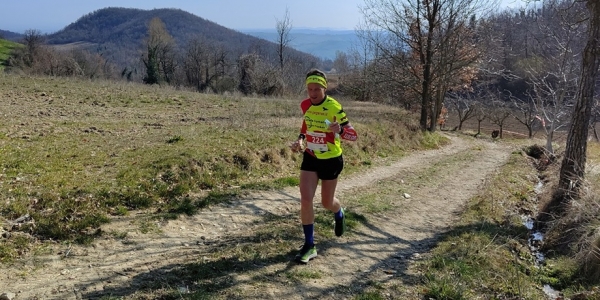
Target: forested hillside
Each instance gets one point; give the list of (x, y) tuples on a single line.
[(163, 46), (9, 35), (119, 33)]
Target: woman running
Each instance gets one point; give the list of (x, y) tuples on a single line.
[(325, 124)]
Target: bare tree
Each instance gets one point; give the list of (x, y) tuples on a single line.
[(204, 64), (430, 40), (257, 76), (341, 63), (358, 79), (480, 113), (595, 118), (464, 105), (36, 57), (498, 113), (34, 42), (525, 113), (246, 66), (553, 69), (572, 169), (284, 27), (455, 66), (195, 62)]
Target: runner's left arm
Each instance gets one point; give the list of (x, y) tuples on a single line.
[(347, 131)]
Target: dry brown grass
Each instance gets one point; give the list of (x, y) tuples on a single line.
[(574, 234), (76, 151)]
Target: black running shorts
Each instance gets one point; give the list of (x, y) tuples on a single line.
[(327, 169)]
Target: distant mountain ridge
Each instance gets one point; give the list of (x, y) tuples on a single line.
[(323, 43), (119, 33), (9, 35)]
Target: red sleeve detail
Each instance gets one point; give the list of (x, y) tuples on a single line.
[(349, 133), (304, 105), (303, 128)]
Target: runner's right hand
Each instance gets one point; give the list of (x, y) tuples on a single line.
[(296, 146)]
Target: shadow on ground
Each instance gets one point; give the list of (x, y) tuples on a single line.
[(240, 267)]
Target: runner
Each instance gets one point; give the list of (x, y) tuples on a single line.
[(324, 125)]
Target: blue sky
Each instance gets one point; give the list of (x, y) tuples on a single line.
[(52, 15)]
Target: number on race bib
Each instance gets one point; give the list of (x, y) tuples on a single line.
[(316, 141)]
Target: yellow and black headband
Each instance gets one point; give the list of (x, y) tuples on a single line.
[(316, 79)]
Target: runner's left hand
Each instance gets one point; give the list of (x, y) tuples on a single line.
[(335, 126)]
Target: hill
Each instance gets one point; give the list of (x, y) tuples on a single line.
[(9, 35), (6, 47), (321, 43), (119, 33)]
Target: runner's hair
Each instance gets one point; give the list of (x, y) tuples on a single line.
[(316, 72)]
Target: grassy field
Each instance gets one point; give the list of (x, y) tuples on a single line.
[(76, 152), (5, 48)]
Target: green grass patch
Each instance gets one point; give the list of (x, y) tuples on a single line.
[(487, 253), (6, 47), (303, 274), (14, 246), (371, 295), (278, 183)]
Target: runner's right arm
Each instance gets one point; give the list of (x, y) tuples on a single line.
[(298, 145)]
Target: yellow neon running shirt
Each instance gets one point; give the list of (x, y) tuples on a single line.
[(320, 141)]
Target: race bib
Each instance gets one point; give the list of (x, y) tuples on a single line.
[(315, 141)]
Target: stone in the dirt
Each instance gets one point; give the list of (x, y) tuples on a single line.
[(406, 195), (7, 296)]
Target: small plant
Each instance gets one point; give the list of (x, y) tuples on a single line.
[(303, 274), (371, 295), (118, 234), (175, 139), (148, 225), (184, 206), (443, 288), (121, 210)]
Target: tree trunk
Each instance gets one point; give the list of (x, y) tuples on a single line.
[(426, 61), (573, 165), (549, 139), (425, 100)]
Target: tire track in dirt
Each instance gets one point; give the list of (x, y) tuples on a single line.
[(376, 251)]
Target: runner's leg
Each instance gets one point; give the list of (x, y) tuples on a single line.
[(328, 195), (308, 186)]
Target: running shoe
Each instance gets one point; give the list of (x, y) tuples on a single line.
[(340, 224), (307, 253)]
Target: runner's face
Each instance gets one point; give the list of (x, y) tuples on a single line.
[(316, 92)]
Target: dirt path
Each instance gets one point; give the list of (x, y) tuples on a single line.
[(381, 250)]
